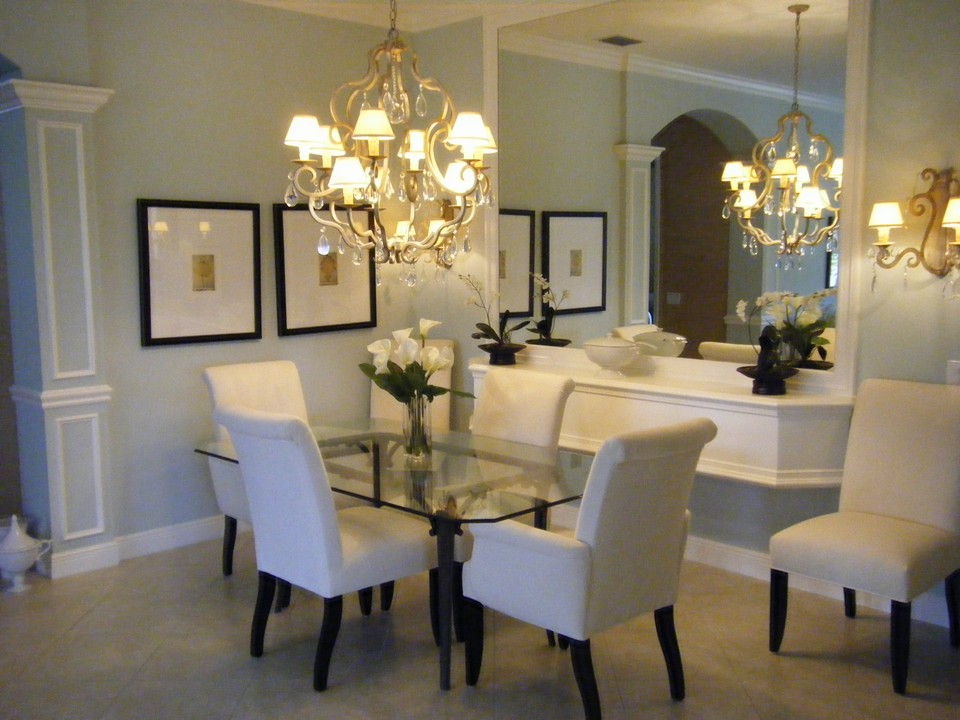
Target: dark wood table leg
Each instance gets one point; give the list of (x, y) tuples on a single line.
[(445, 529)]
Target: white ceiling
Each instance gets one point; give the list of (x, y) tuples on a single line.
[(750, 39)]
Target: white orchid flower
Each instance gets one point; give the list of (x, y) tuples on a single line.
[(408, 351), (742, 310), (426, 326)]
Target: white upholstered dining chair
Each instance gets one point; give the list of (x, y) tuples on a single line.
[(897, 530), (623, 559), (299, 535), (272, 385)]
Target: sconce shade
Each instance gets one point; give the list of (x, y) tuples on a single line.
[(468, 130), (304, 130), (373, 124), (886, 215), (951, 217), (734, 172)]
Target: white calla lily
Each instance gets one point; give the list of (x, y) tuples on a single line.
[(408, 351), (426, 326)]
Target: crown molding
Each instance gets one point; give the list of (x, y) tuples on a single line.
[(617, 60), (34, 95)]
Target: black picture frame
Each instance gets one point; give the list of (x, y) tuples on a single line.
[(338, 296), (515, 261), (575, 258), (199, 268)]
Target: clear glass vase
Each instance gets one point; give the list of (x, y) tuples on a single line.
[(416, 432)]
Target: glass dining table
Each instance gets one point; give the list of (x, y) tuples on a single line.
[(468, 479)]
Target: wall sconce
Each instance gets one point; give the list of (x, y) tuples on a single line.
[(937, 254)]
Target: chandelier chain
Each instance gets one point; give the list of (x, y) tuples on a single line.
[(393, 19), (797, 10)]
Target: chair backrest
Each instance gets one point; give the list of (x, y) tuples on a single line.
[(633, 515), (727, 352), (273, 385), (903, 453), (383, 406), (521, 405), (296, 534)]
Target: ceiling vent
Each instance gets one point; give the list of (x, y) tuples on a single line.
[(620, 41)]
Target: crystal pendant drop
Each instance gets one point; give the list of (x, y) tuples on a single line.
[(323, 245), (376, 276), (429, 188), (290, 196), (467, 247), (725, 214), (421, 103), (357, 256)]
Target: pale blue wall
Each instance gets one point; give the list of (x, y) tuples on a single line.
[(203, 93)]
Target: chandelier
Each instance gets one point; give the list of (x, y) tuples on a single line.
[(398, 172), (789, 196)]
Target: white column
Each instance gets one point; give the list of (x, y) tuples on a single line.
[(637, 181), (62, 401)]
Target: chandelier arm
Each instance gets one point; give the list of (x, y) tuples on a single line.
[(349, 228), (317, 191)]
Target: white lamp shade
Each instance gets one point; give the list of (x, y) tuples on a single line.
[(348, 172), (811, 199), (459, 177), (468, 129), (803, 175), (304, 131), (413, 145), (329, 144), (951, 217), (734, 172), (746, 199), (373, 124), (836, 170), (885, 215), (784, 168)]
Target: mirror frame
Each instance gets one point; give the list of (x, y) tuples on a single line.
[(842, 378)]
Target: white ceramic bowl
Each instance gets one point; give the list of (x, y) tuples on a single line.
[(659, 342), (610, 353)]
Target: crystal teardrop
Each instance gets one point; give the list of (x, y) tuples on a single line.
[(421, 103), (290, 196)]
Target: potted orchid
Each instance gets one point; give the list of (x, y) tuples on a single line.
[(799, 321), (551, 304), (501, 350), (402, 366)]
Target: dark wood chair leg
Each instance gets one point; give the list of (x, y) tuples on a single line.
[(229, 542), (386, 595), (778, 607), (332, 614), (667, 634), (563, 642), (953, 606), (472, 613), (849, 602), (435, 605), (266, 587), (458, 601), (284, 591), (586, 680), (551, 638), (899, 644), (366, 600)]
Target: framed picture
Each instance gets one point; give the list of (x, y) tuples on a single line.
[(319, 292), (199, 271), (575, 258), (516, 261)]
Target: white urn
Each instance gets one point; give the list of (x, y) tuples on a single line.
[(18, 553)]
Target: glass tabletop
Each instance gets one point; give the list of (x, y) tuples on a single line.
[(469, 479)]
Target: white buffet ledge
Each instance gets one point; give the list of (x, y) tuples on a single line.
[(788, 441)]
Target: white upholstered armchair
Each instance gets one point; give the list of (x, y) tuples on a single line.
[(623, 559), (897, 530)]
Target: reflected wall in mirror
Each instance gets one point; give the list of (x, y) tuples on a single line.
[(566, 102)]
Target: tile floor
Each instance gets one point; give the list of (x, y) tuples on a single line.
[(165, 636)]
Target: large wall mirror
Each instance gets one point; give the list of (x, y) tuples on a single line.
[(703, 84)]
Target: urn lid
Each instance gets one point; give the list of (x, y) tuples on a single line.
[(16, 539)]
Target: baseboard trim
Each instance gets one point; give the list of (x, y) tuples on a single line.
[(929, 607)]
